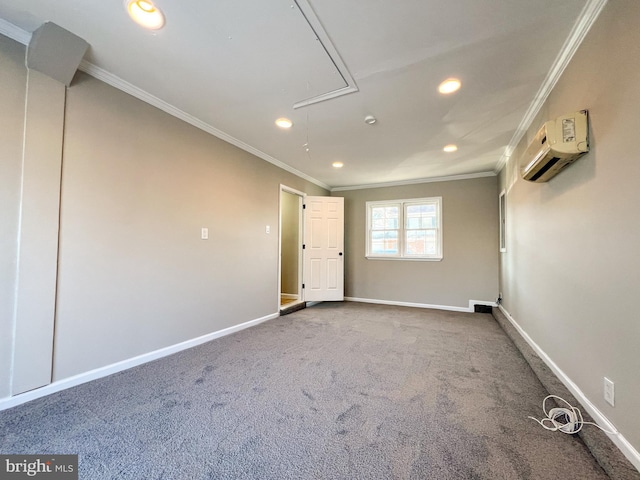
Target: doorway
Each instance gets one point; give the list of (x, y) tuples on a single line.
[(290, 248)]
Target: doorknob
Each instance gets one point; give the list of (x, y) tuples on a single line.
[(340, 254)]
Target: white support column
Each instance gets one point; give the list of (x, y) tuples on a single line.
[(38, 233)]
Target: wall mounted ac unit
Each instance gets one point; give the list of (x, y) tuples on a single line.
[(557, 144)]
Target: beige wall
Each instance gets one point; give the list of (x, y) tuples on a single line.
[(469, 269), (290, 209), (137, 186), (570, 276)]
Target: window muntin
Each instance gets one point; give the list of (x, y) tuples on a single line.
[(405, 229)]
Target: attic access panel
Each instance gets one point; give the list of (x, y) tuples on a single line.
[(323, 39), (230, 52), (279, 47)]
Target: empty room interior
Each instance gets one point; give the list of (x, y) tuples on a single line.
[(319, 239)]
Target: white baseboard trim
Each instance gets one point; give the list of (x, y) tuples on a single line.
[(423, 305), (627, 449), (125, 364)]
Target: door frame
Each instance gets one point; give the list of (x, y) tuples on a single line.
[(301, 198)]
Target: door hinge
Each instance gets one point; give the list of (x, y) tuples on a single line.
[(303, 285), (304, 206), (304, 246)]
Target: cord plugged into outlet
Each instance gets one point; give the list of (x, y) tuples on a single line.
[(564, 419)]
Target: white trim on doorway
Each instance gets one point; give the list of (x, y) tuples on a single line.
[(300, 294)]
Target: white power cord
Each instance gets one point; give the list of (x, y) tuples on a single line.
[(566, 420)]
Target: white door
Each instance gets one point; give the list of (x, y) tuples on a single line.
[(323, 249)]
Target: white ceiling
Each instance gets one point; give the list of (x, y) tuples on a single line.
[(232, 67)]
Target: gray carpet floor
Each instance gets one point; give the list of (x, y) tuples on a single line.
[(336, 391)]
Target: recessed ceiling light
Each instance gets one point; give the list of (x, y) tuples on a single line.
[(284, 122), (337, 164), (450, 148), (145, 13), (370, 120), (450, 85)]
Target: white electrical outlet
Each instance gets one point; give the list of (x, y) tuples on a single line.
[(267, 229), (204, 234), (609, 392)]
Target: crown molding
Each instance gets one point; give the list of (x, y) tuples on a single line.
[(146, 97), (415, 181), (583, 24), (585, 21), (22, 36), (14, 33)]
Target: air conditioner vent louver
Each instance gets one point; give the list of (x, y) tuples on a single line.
[(545, 169), (557, 144)]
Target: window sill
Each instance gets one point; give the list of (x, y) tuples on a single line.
[(406, 259)]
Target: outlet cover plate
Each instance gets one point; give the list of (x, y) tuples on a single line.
[(609, 392)]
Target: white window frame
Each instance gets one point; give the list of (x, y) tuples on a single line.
[(402, 204)]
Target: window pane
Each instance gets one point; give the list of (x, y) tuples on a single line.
[(384, 242), (428, 222), (384, 218), (413, 222), (421, 209), (421, 216), (421, 242)]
